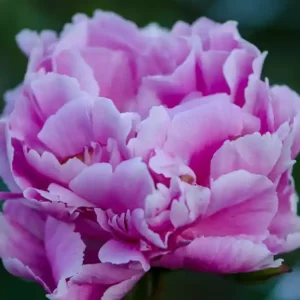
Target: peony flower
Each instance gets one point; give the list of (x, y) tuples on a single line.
[(154, 148), (38, 247)]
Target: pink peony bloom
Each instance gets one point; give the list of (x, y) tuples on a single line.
[(157, 148), (38, 247)]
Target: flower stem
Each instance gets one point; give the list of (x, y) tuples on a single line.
[(156, 284)]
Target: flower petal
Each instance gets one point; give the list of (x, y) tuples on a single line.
[(220, 255), (119, 253)]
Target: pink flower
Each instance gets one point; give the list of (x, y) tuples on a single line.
[(159, 148), (38, 247)]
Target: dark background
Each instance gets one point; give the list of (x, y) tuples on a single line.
[(272, 25)]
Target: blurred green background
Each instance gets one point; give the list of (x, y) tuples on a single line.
[(272, 25)]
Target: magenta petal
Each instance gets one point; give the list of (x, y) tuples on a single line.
[(28, 40), (190, 206), (296, 133), (47, 203), (94, 184), (64, 249), (162, 163), (211, 78), (28, 218), (21, 243), (132, 184), (66, 196), (52, 91), (8, 195), (71, 63), (110, 67), (246, 198), (140, 224), (292, 242), (98, 281), (119, 253), (208, 253), (193, 130), (285, 104), (108, 122), (125, 188), (119, 34), (172, 89), (49, 166), (17, 268), (5, 170), (241, 186), (66, 141), (152, 132), (257, 102), (254, 153), (105, 274), (237, 69), (196, 134)]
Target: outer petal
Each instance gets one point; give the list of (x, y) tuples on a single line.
[(220, 255), (98, 281), (52, 91), (118, 33), (254, 153), (64, 249), (17, 268), (71, 63), (296, 133), (241, 204), (48, 166), (21, 243), (236, 187), (119, 253), (5, 169), (285, 104), (257, 103), (211, 79), (237, 70), (66, 141), (286, 224), (41, 97), (29, 40)]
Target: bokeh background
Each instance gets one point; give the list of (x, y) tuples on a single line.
[(272, 25)]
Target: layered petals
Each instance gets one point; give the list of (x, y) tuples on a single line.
[(128, 148)]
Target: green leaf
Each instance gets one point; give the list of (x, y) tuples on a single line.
[(259, 276)]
